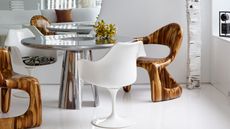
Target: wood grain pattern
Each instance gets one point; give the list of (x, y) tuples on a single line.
[(9, 80), (40, 22), (163, 86), (5, 99)]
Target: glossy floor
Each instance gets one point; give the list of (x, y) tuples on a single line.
[(203, 108)]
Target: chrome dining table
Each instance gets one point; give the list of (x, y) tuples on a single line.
[(75, 47)]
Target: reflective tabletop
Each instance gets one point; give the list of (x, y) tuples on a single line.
[(71, 42)]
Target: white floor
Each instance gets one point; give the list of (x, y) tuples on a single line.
[(203, 108)]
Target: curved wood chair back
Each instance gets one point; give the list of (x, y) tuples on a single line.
[(169, 35), (41, 22)]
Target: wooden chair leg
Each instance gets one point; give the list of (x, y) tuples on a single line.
[(33, 116), (171, 89), (163, 86), (5, 99), (127, 88), (156, 89)]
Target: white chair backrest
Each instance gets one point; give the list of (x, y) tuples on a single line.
[(119, 64), (33, 29), (14, 38), (141, 52)]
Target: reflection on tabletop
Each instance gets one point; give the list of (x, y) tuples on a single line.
[(78, 27), (72, 38)]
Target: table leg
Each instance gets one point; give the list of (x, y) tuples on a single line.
[(70, 96), (70, 89), (95, 95)]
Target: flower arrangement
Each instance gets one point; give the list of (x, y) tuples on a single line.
[(104, 31)]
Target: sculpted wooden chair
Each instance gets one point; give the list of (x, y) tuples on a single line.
[(10, 80), (41, 22), (163, 86)]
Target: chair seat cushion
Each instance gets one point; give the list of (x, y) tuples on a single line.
[(38, 60)]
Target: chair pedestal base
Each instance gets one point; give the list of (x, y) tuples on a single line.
[(111, 122)]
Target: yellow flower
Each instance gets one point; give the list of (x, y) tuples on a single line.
[(104, 30)]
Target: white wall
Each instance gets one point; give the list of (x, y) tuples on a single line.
[(29, 4), (206, 39), (4, 4), (220, 71), (141, 17)]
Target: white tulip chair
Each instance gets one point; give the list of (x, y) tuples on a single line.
[(115, 70), (17, 51)]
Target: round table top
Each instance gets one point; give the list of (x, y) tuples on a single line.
[(71, 42)]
